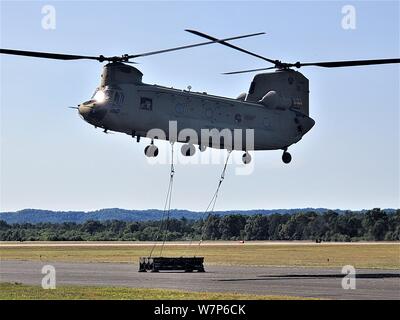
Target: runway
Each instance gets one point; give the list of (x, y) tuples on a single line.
[(71, 244), (287, 281)]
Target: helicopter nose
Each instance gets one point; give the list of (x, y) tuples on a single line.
[(91, 113), (84, 111)]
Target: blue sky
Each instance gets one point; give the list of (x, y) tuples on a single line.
[(51, 159)]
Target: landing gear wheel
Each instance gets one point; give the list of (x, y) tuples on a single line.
[(151, 151), (246, 158), (286, 157), (188, 150), (202, 148)]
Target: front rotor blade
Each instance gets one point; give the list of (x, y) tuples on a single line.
[(191, 46), (124, 58), (251, 70), (47, 55), (222, 41), (338, 64)]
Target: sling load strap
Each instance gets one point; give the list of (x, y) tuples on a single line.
[(167, 206), (213, 199)]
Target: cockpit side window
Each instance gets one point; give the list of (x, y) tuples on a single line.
[(118, 98)]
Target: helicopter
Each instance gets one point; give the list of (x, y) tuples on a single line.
[(275, 109)]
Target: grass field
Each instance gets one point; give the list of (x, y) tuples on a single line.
[(12, 291), (374, 255)]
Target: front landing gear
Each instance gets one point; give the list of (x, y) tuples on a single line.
[(286, 156), (246, 158)]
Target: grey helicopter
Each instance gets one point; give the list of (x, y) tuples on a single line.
[(276, 106)]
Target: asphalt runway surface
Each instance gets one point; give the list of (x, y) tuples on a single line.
[(287, 281), (33, 244)]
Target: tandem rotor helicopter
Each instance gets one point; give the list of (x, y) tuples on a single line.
[(276, 105)]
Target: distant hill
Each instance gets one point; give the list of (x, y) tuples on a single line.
[(37, 215)]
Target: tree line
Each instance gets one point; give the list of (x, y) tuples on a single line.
[(371, 225)]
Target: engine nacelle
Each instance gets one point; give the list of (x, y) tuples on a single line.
[(242, 96), (283, 88), (272, 100)]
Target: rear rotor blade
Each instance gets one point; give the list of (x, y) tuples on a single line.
[(351, 63), (330, 64), (222, 41), (250, 70), (48, 55), (282, 65), (191, 46)]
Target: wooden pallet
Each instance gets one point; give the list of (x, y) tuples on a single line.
[(156, 264)]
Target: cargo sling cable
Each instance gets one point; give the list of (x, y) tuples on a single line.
[(188, 264), (213, 201), (167, 206)]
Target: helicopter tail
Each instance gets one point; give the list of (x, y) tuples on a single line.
[(281, 89)]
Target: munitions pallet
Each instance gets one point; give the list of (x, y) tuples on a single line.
[(155, 264)]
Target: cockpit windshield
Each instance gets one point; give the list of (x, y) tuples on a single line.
[(99, 96), (106, 95)]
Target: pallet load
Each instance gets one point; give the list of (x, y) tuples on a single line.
[(155, 264)]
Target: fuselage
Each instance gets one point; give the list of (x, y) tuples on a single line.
[(136, 108)]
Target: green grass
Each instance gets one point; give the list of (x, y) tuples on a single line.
[(12, 291), (386, 256)]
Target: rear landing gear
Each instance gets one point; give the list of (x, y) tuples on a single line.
[(286, 157), (202, 148), (151, 150), (188, 150)]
